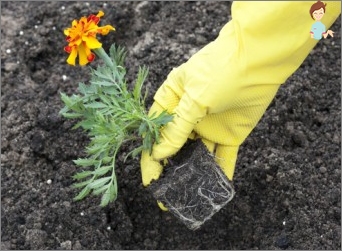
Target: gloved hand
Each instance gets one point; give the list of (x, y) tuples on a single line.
[(222, 91)]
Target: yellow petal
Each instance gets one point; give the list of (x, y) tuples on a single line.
[(100, 14), (82, 55), (91, 42), (72, 57), (104, 30), (66, 32), (74, 23)]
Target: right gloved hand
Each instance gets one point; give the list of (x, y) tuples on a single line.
[(222, 91)]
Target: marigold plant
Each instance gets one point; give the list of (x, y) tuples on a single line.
[(106, 108)]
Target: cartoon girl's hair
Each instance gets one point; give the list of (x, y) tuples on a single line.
[(317, 6)]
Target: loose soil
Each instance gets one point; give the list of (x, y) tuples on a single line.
[(287, 180)]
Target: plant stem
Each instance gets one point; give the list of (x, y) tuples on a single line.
[(101, 53)]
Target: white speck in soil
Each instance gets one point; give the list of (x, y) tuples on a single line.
[(108, 228), (64, 77), (21, 33), (36, 26), (82, 214), (8, 51), (63, 7), (284, 222), (26, 42), (49, 181)]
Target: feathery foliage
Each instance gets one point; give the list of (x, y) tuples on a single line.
[(112, 115)]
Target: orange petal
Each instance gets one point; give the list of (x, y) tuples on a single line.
[(83, 20)]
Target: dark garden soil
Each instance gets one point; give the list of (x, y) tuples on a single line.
[(288, 176)]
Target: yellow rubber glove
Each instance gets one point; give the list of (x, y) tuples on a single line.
[(222, 91)]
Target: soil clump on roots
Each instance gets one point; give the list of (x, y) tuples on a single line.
[(193, 187)]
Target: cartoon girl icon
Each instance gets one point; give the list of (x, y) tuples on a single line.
[(317, 11)]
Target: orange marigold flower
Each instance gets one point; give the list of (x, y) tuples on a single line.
[(81, 37)]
